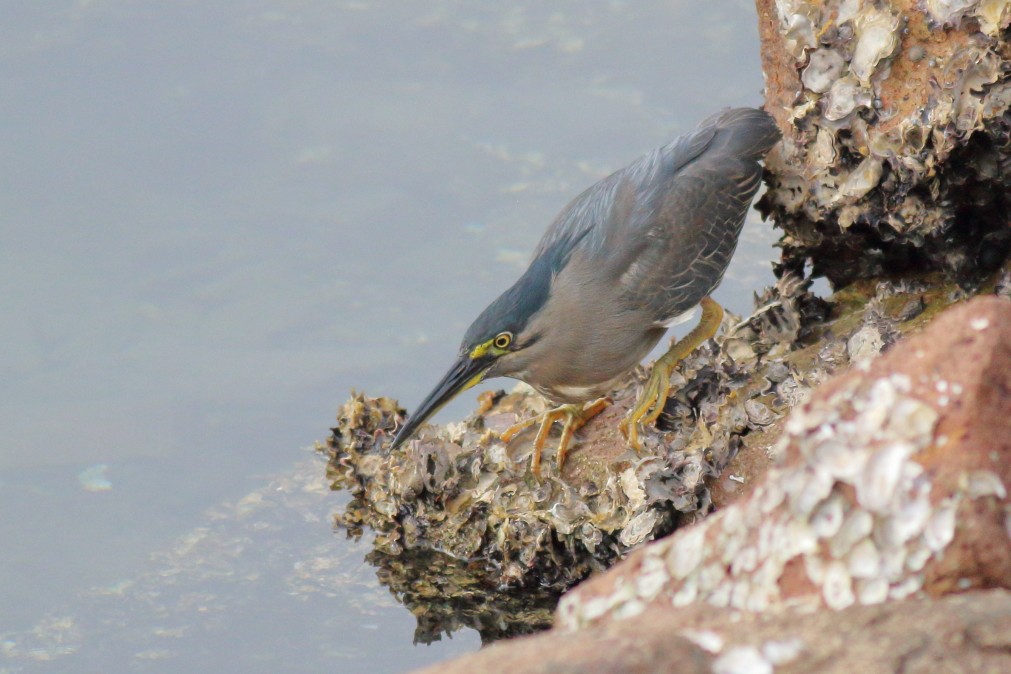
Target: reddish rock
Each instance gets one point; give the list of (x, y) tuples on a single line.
[(632, 647), (893, 482), (961, 633)]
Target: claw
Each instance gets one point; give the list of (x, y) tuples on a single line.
[(654, 395), (575, 417)]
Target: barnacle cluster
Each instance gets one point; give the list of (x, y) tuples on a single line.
[(897, 150), (461, 526), (457, 514), (852, 523)]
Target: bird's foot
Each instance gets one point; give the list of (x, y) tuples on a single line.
[(575, 417), (649, 405), (654, 395)]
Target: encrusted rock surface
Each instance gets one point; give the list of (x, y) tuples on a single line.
[(458, 516), (460, 491), (955, 634), (893, 483), (897, 138), (880, 542)]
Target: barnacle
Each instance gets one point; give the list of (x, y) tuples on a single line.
[(896, 130)]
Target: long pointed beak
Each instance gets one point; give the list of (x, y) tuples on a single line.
[(466, 372)]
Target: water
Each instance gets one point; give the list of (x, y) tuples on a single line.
[(218, 218)]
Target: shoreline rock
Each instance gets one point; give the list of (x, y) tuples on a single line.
[(880, 541)]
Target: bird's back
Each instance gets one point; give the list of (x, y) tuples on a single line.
[(663, 229)]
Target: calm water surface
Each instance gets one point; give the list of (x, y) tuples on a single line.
[(218, 218)]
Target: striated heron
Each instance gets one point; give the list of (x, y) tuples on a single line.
[(623, 261)]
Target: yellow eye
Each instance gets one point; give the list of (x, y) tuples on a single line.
[(503, 340)]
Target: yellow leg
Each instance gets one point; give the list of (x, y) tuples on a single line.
[(654, 394), (575, 417)]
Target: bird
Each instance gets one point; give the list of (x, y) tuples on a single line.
[(624, 260)]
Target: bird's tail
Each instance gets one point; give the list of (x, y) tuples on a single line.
[(747, 133)]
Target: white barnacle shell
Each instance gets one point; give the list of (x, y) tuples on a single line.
[(632, 488), (863, 560), (893, 563), (798, 539), (828, 517), (841, 459), (710, 576), (768, 496), (877, 38), (906, 587), (767, 576), (993, 15), (982, 483), (875, 407), (782, 652), (814, 489), (824, 152), (948, 11), (904, 523), (940, 529), (592, 609), (687, 594), (843, 98), (872, 590), (907, 519), (837, 586), (767, 538), (651, 578), (912, 420), (823, 68), (638, 528), (860, 181), (857, 525), (742, 660), (796, 21), (881, 475), (686, 554), (746, 561), (814, 567), (720, 596), (707, 640), (733, 522), (740, 594), (918, 558), (568, 613), (629, 609), (759, 598)]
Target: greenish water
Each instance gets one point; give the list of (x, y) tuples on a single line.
[(217, 219)]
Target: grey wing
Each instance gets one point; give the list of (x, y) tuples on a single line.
[(694, 235), (597, 215), (689, 219)]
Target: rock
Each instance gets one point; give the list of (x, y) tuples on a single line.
[(892, 482), (632, 647), (962, 633), (859, 551), (460, 490), (895, 134), (517, 542)]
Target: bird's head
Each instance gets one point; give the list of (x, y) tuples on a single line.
[(496, 344)]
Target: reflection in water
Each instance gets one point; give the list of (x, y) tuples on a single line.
[(447, 594)]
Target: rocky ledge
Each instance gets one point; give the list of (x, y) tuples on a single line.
[(466, 536), (880, 540)]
